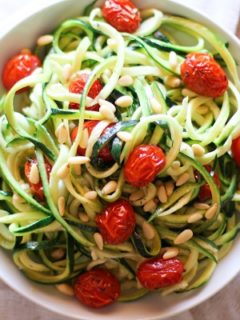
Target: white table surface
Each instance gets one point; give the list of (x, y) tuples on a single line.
[(223, 306)]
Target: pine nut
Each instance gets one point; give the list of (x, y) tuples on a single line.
[(112, 43), (109, 188), (77, 169), (90, 195), (107, 113), (176, 165), (162, 194), (44, 40), (203, 110), (61, 206), (201, 206), (149, 206), (57, 254), (125, 81), (173, 63), (78, 160), (65, 289), (172, 81), (195, 217), (182, 179), (210, 213), (63, 171), (61, 133), (94, 255), (124, 101), (170, 253), (136, 195), (156, 106), (83, 217), (107, 104), (198, 150), (169, 186), (188, 93), (124, 136), (84, 139), (17, 198), (99, 240), (34, 173), (148, 230), (184, 236)]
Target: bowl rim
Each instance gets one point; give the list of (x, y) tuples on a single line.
[(37, 8)]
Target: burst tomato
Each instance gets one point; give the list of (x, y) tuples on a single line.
[(97, 288), (143, 164), (19, 67), (205, 191), (104, 153), (77, 85), (236, 150), (203, 75), (159, 273), (36, 188), (117, 222), (122, 15)]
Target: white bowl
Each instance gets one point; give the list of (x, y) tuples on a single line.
[(23, 33)]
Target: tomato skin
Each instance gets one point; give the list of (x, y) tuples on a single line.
[(117, 222), (77, 85), (97, 288), (236, 150), (143, 164), (205, 191), (203, 75), (104, 153), (18, 67), (158, 273), (36, 188), (122, 15)]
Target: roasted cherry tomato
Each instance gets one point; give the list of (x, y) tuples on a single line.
[(117, 222), (36, 188), (205, 191), (77, 86), (104, 153), (159, 273), (97, 288), (19, 67), (236, 150), (143, 164), (122, 15), (203, 75)]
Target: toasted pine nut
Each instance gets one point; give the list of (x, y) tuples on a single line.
[(99, 240), (34, 173), (107, 113), (176, 164), (112, 43), (125, 81), (156, 106), (61, 133), (44, 40), (170, 253), (17, 198), (124, 101), (84, 139), (65, 289), (210, 213), (201, 206), (195, 217), (58, 254), (203, 110), (184, 236), (61, 205), (63, 171), (124, 136), (169, 186), (182, 179), (162, 194), (188, 93), (109, 188), (94, 255), (150, 206), (83, 217), (172, 81), (90, 195), (173, 63), (198, 150), (136, 195), (148, 230), (108, 104), (77, 169), (78, 160)]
